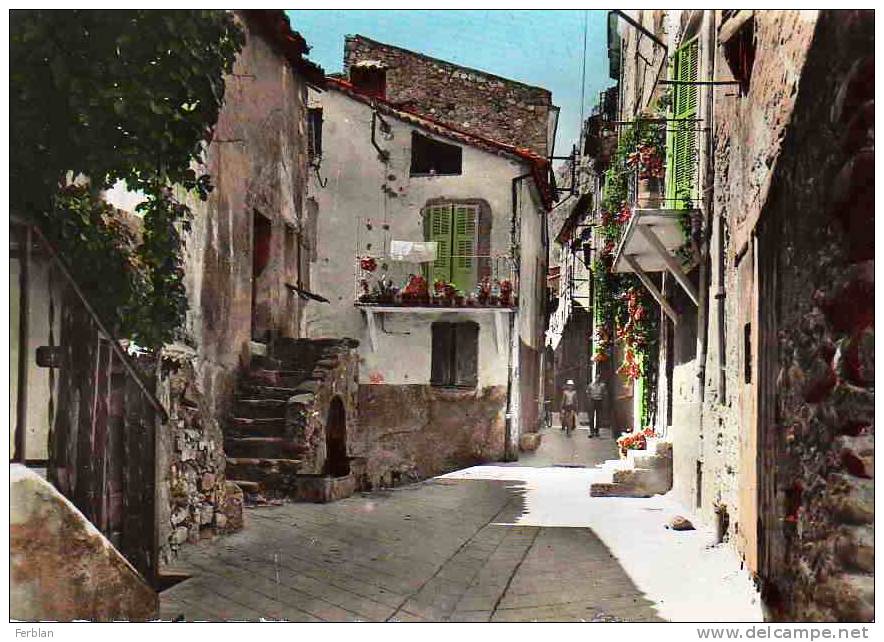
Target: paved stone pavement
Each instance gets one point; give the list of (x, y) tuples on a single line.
[(436, 551), (557, 449)]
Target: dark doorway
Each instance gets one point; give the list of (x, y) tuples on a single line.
[(261, 235), (337, 464)]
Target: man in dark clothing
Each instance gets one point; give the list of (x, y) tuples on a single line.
[(598, 390)]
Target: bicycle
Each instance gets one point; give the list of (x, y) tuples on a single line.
[(569, 420)]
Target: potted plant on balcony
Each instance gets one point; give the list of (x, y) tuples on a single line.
[(416, 291), (648, 160), (483, 291), (506, 293)]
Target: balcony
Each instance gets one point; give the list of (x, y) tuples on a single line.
[(479, 283), (482, 284)]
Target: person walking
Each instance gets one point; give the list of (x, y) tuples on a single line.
[(569, 407), (598, 390)]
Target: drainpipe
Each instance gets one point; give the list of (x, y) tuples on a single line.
[(383, 154), (512, 404), (709, 180)]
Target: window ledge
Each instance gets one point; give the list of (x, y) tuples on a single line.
[(424, 175), (434, 309), (452, 392)]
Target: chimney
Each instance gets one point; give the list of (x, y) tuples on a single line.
[(369, 77)]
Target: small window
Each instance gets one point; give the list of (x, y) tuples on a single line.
[(314, 133), (433, 157), (369, 78), (455, 357), (739, 52)]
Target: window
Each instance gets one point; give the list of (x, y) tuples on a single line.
[(739, 47), (454, 226), (314, 133), (369, 78), (681, 143), (455, 357), (429, 156)]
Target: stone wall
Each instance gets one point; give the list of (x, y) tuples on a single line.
[(412, 432), (60, 567), (474, 101), (194, 500), (822, 211)]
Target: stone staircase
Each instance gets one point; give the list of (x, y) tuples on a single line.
[(643, 473), (273, 439)]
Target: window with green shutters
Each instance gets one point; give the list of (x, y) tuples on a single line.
[(463, 260), (454, 227), (439, 230), (681, 138)]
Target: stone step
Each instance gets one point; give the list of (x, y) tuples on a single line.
[(267, 392), (251, 427), (601, 489), (263, 362), (651, 461), (269, 447), (261, 408), (654, 480), (246, 486), (269, 472), (277, 377)]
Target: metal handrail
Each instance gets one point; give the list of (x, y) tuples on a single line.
[(114, 342)]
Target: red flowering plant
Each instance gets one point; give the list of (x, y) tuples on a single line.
[(416, 291), (368, 264), (635, 440), (506, 292), (648, 160)]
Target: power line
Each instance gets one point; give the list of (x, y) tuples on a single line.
[(583, 71)]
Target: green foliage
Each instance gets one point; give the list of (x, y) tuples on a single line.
[(625, 310), (127, 95)]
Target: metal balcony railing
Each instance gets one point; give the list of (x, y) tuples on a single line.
[(474, 281)]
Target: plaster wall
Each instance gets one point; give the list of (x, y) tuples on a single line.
[(354, 199), (258, 163)]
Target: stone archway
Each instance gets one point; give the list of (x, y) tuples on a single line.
[(337, 463)]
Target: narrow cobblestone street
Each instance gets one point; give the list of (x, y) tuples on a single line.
[(442, 550), (447, 549)]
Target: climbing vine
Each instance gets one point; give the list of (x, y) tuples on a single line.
[(131, 96), (626, 314)]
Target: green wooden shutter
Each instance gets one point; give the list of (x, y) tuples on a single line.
[(463, 263), (438, 228), (681, 144)]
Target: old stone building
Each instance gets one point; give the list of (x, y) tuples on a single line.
[(164, 454), (757, 251), (444, 231), (466, 99)]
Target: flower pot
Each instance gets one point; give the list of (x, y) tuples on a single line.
[(650, 193)]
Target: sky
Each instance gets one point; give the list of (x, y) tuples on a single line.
[(538, 47)]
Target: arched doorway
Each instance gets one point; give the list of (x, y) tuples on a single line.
[(337, 463)]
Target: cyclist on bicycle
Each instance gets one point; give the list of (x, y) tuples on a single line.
[(569, 406)]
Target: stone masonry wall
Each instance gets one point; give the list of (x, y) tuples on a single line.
[(748, 138), (411, 432), (822, 201), (195, 501), (503, 110)]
